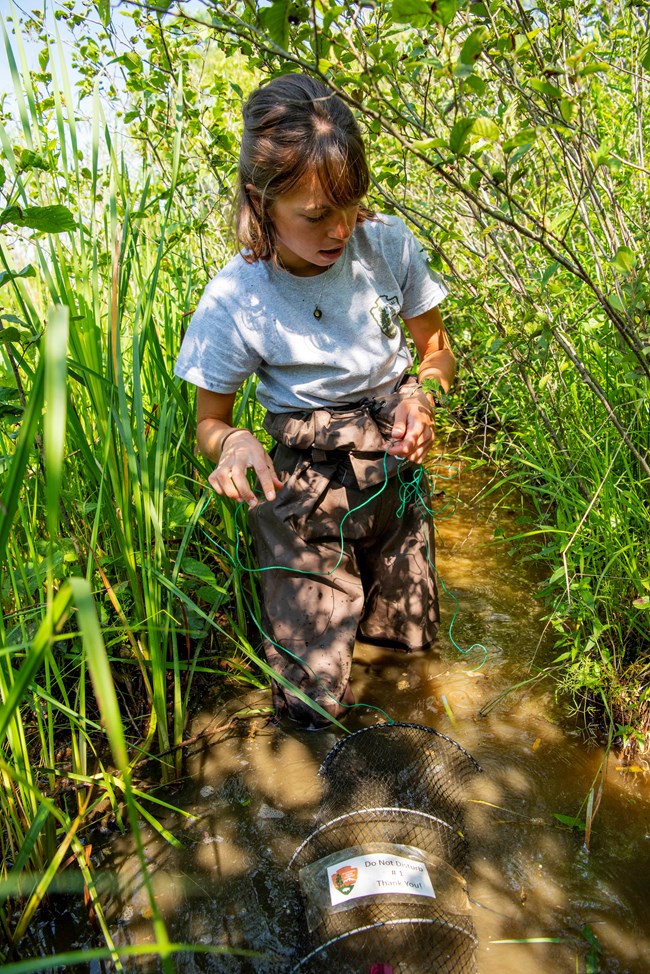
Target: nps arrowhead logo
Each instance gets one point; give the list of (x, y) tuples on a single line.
[(345, 878)]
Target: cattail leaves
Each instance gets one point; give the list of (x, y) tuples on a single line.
[(55, 407)]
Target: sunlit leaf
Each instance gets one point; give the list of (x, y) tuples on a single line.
[(602, 155), (415, 12), (7, 276), (444, 11), (275, 20), (525, 136), (594, 67), (50, 219), (104, 11), (624, 260), (545, 88), (33, 160), (131, 61), (486, 128), (473, 46), (460, 135), (568, 110)]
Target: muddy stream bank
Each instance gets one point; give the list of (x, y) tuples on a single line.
[(254, 792)]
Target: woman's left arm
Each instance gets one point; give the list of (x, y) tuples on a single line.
[(414, 424), (432, 343)]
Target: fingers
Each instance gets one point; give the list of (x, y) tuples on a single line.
[(412, 433), (230, 477), (268, 479)]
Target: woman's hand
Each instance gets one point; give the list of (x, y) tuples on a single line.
[(241, 452), (414, 425), (413, 428)]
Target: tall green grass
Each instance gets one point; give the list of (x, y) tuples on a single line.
[(113, 598)]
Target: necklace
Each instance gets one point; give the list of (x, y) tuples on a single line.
[(317, 312)]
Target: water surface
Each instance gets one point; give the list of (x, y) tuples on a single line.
[(253, 791)]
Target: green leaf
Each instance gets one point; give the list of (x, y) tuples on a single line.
[(55, 407), (12, 487), (104, 11), (7, 276), (602, 155), (524, 137), (571, 821), (197, 569), (546, 88), (443, 11), (12, 334), (131, 61), (476, 84), (594, 67), (460, 135), (486, 128), (417, 13), (643, 602), (473, 46), (275, 20), (624, 260), (427, 145), (50, 219), (568, 110), (549, 272), (32, 160)]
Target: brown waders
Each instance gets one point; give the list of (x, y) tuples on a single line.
[(343, 556)]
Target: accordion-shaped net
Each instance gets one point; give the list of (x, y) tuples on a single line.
[(401, 826), (399, 766), (403, 784), (409, 946)]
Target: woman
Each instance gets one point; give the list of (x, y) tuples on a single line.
[(312, 305)]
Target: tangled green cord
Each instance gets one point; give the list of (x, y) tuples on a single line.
[(410, 492)]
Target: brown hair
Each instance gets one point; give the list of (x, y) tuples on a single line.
[(294, 125)]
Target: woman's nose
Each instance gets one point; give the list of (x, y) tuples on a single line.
[(342, 225)]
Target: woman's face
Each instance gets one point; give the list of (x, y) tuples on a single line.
[(311, 233)]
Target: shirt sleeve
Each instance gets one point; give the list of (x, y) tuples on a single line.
[(422, 288), (213, 354)]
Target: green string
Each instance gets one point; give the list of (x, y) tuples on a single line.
[(410, 492)]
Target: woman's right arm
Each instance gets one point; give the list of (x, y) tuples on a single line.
[(233, 450)]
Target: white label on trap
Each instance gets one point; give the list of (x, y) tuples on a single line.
[(375, 874)]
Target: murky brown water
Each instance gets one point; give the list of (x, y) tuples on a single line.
[(254, 792)]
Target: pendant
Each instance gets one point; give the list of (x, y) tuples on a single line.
[(318, 314)]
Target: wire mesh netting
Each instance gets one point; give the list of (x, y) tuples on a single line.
[(382, 874)]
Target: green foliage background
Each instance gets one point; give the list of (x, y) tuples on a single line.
[(514, 140)]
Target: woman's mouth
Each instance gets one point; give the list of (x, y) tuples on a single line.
[(333, 253)]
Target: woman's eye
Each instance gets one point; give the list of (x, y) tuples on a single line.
[(315, 219)]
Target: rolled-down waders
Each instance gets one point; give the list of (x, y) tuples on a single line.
[(343, 556)]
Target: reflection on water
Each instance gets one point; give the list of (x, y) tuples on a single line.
[(254, 793)]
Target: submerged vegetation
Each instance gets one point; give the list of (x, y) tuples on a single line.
[(515, 142)]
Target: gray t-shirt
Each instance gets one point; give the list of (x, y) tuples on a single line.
[(257, 318)]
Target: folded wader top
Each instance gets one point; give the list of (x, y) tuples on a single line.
[(357, 434)]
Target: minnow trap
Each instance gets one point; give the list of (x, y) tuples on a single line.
[(382, 874)]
